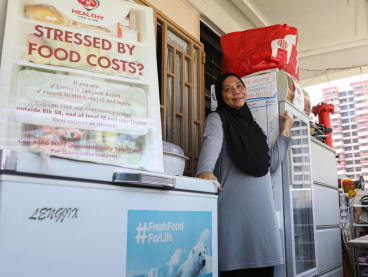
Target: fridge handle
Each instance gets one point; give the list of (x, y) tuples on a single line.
[(291, 166)]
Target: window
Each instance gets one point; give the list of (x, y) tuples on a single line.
[(356, 147), (351, 106), (351, 99), (356, 155), (213, 65), (347, 141), (344, 107), (355, 140), (346, 127), (343, 114), (355, 133), (351, 92), (349, 169), (348, 155), (342, 94), (180, 69), (343, 101), (352, 112), (344, 121), (354, 126), (348, 148)]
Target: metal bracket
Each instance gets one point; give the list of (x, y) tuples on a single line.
[(144, 180), (8, 159)]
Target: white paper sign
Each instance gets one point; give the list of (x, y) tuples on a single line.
[(79, 80)]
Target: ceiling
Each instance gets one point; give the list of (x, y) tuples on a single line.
[(333, 34)]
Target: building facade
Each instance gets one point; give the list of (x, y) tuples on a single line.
[(350, 128)]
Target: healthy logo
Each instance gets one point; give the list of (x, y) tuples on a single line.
[(141, 233), (89, 5)]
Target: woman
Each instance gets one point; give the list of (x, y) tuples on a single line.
[(235, 152)]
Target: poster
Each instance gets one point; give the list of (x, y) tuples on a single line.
[(169, 243), (79, 81)]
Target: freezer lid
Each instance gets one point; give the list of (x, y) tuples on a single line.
[(31, 163), (166, 182)]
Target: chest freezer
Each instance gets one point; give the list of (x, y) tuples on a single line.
[(83, 227)]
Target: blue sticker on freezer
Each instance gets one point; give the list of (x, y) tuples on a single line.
[(168, 243)]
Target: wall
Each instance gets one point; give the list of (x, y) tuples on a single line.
[(182, 13), (222, 16)]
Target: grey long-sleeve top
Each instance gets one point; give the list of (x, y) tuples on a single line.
[(247, 225)]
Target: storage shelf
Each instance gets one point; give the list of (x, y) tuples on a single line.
[(305, 242), (306, 261), (360, 225), (359, 206)]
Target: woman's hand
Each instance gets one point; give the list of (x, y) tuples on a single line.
[(209, 176), (287, 124)]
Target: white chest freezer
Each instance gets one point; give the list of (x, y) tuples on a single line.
[(133, 225)]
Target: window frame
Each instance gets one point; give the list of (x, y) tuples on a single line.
[(195, 122)]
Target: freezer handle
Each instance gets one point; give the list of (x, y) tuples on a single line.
[(140, 179), (291, 166)]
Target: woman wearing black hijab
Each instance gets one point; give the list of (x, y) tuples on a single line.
[(235, 152)]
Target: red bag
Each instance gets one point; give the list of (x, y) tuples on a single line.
[(259, 49)]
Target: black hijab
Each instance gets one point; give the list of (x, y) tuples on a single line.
[(246, 142)]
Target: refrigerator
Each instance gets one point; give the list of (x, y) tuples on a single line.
[(82, 184), (271, 93)]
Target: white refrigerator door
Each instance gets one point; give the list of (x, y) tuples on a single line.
[(2, 23), (299, 219), (59, 228)]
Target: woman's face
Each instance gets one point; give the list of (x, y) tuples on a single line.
[(234, 93)]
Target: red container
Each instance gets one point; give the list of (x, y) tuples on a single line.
[(259, 49)]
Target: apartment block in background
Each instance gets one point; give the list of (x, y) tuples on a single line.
[(350, 128)]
